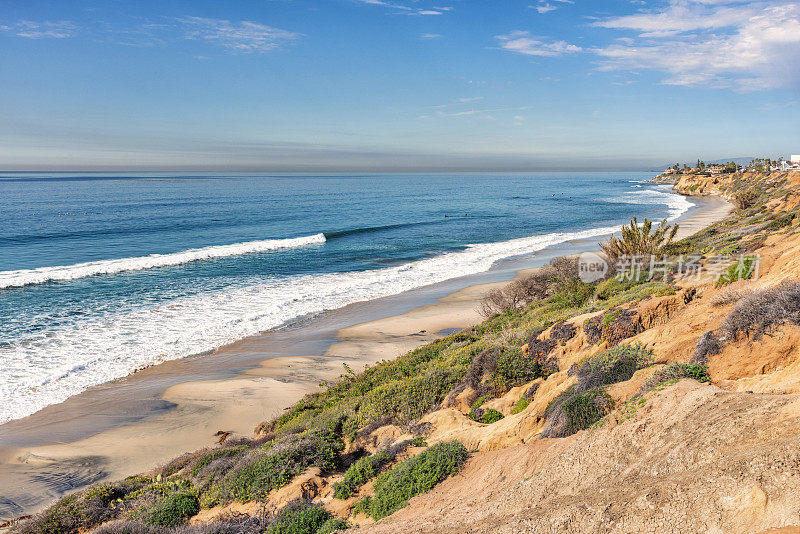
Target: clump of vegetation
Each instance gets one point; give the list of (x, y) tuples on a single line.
[(84, 510), (782, 221), (741, 270), (708, 345), (764, 310), (613, 365), (516, 367), (367, 467), (520, 405), (639, 240), (731, 294), (558, 281), (744, 199), (173, 509), (263, 470), (416, 475), (576, 410), (490, 416), (675, 372), (586, 402), (612, 327), (301, 517)]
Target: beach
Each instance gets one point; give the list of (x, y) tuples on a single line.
[(136, 423)]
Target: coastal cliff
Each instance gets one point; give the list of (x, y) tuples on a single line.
[(645, 403)]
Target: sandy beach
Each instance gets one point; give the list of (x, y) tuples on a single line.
[(137, 423)]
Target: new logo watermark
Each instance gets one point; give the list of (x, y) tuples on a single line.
[(591, 267)]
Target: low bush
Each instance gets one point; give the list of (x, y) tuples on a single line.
[(762, 311), (575, 410), (744, 199), (676, 371), (559, 280), (360, 472), (301, 517), (586, 402), (612, 327), (412, 477), (708, 345), (515, 368), (84, 510), (520, 405), (782, 221), (173, 510), (614, 365), (731, 294), (491, 416), (741, 270), (263, 470)]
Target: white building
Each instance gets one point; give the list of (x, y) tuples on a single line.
[(795, 158)]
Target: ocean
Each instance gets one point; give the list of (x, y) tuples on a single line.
[(104, 274)]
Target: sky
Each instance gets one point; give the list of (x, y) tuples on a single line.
[(395, 85)]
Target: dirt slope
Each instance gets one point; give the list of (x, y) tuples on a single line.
[(694, 459)]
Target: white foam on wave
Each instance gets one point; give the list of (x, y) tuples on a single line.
[(50, 368), (40, 275), (676, 204)]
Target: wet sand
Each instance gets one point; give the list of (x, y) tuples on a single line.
[(137, 423)]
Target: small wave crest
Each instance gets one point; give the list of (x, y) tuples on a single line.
[(676, 204), (42, 275)]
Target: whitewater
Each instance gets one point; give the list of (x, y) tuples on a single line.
[(24, 277)]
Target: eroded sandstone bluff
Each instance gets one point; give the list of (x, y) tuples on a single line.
[(642, 405)]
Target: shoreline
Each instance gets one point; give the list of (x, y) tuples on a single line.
[(134, 424)]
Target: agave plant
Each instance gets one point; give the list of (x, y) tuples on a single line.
[(640, 240)]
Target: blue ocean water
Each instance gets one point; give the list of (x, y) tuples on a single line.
[(103, 274)]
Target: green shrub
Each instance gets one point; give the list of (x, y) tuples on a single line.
[(83, 510), (521, 405), (491, 416), (616, 364), (301, 517), (360, 472), (412, 477), (676, 371), (571, 292), (782, 221), (203, 461), (480, 400), (744, 199), (515, 368), (576, 410), (741, 270), (255, 475), (640, 240), (172, 510)]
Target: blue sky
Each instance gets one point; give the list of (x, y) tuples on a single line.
[(365, 85)]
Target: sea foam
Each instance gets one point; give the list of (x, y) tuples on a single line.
[(41, 275)]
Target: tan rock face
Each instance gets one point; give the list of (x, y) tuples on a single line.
[(694, 458)]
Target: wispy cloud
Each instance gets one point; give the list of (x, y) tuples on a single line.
[(713, 43), (545, 7), (521, 42), (408, 9), (244, 36), (430, 36), (41, 30)]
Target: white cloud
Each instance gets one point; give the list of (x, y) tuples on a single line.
[(406, 9), (243, 36), (714, 43), (42, 30), (521, 43), (544, 8), (430, 36)]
